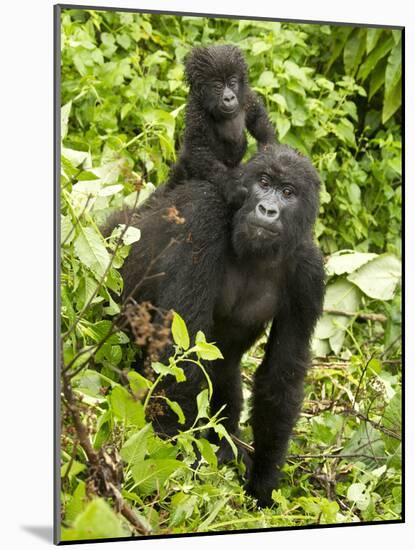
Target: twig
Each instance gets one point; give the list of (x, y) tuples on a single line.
[(359, 315), (93, 458)]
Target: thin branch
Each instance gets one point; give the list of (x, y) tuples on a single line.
[(359, 315), (93, 458)]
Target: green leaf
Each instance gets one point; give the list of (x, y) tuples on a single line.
[(260, 47), (207, 452), (358, 494), (392, 102), (207, 351), (203, 404), (345, 131), (346, 261), (179, 332), (135, 448), (372, 38), (377, 78), (176, 408), (393, 69), (172, 369), (65, 111), (126, 408), (75, 468), (283, 125), (267, 79), (379, 277), (97, 521), (90, 249), (372, 59), (279, 100), (354, 50), (151, 474), (77, 502)]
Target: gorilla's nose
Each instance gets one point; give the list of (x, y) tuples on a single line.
[(229, 98), (267, 212)]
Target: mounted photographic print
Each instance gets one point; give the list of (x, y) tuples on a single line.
[(228, 282)]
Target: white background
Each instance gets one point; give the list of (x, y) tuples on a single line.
[(26, 286)]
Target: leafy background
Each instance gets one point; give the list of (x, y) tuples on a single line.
[(334, 93)]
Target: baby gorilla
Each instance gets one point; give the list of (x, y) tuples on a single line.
[(221, 105)]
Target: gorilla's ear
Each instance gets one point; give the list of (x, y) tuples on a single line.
[(194, 62)]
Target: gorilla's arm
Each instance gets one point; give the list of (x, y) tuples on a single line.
[(199, 159), (278, 391), (257, 121)]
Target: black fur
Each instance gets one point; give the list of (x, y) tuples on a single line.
[(229, 278), (220, 107)]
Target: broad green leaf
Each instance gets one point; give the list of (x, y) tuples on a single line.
[(342, 295), (135, 448), (283, 126), (126, 408), (346, 261), (172, 369), (65, 111), (392, 102), (366, 442), (379, 277), (131, 235), (138, 383), (267, 79), (354, 50), (353, 190), (393, 69), (176, 408), (71, 470), (77, 502), (182, 507), (260, 47), (179, 332), (383, 48), (97, 521), (358, 494), (345, 131), (207, 452), (279, 100), (151, 474), (203, 404), (90, 249), (372, 38), (76, 158), (377, 78), (67, 230), (207, 351)]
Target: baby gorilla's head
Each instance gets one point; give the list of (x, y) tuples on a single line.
[(218, 76)]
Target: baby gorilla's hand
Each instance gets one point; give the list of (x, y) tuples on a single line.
[(234, 192)]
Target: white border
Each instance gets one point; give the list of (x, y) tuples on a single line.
[(26, 286)]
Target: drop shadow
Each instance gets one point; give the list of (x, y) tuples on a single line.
[(43, 532)]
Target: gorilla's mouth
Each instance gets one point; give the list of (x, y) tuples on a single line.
[(229, 111), (264, 230)]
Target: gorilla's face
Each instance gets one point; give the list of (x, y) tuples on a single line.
[(281, 204), (218, 76)]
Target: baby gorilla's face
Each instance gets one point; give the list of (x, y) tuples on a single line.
[(281, 205), (221, 96), (218, 74)]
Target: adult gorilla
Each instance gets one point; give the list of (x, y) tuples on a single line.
[(229, 278)]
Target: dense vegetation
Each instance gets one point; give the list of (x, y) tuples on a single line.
[(334, 93)]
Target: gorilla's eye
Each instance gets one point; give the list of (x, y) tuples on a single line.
[(287, 192), (217, 85), (264, 181), (233, 82)]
